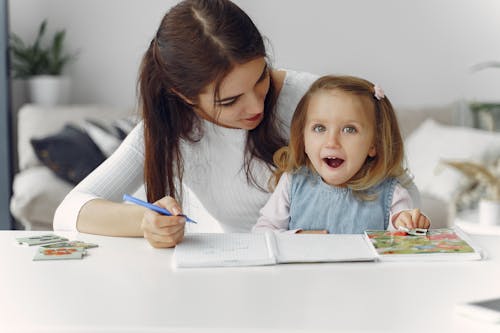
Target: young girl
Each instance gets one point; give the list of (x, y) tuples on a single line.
[(342, 171)]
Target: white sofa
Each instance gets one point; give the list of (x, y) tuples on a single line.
[(37, 191), (440, 211)]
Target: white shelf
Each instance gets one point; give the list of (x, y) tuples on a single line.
[(468, 221)]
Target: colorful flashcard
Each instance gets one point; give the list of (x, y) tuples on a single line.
[(59, 253), (436, 244), (74, 243), (39, 240)]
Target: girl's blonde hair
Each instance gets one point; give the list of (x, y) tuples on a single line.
[(388, 162)]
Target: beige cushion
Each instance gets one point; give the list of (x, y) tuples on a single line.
[(36, 121), (37, 191), (433, 142), (410, 118)]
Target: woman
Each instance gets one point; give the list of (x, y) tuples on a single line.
[(214, 112)]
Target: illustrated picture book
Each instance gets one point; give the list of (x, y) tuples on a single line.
[(250, 249), (437, 244)]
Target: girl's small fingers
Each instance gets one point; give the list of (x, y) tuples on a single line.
[(423, 222), (415, 217), (405, 220), (415, 214), (419, 223), (398, 222)]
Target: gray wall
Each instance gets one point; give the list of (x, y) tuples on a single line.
[(5, 125), (420, 51)]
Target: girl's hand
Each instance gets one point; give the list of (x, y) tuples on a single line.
[(164, 231), (312, 231), (412, 219)]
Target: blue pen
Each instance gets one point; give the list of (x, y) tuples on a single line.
[(156, 208)]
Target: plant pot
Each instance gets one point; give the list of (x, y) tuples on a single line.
[(49, 90), (489, 212), (486, 116)]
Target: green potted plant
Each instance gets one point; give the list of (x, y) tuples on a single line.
[(489, 205), (41, 65), (486, 114)]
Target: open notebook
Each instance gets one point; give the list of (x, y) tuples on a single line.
[(250, 249)]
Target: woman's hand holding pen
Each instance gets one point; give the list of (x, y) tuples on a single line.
[(412, 219), (161, 230)]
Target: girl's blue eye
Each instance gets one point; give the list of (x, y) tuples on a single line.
[(349, 130), (319, 128)]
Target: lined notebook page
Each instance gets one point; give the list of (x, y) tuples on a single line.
[(217, 249), (324, 248)]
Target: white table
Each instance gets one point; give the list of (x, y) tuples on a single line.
[(125, 285)]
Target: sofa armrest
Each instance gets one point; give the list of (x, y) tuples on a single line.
[(37, 192)]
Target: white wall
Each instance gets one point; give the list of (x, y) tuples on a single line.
[(419, 51)]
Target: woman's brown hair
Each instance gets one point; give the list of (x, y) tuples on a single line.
[(388, 162), (198, 42)]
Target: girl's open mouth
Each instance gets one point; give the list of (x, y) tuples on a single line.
[(333, 162)]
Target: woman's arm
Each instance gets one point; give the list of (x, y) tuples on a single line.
[(94, 205), (114, 219), (127, 220)]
